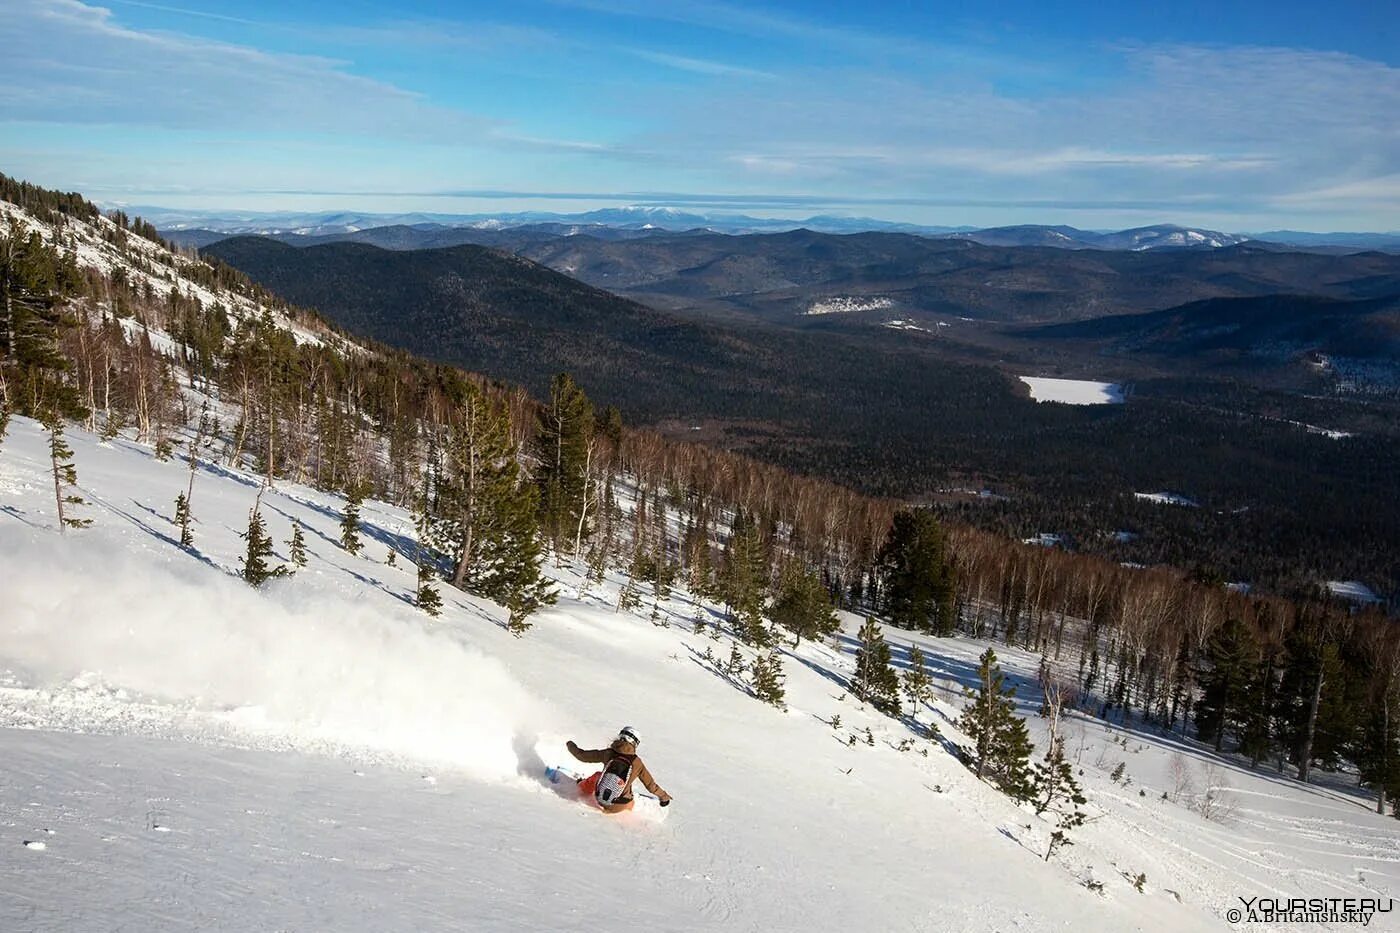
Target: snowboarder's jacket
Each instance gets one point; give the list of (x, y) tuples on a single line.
[(638, 771)]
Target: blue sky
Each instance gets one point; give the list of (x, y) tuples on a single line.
[(1239, 115)]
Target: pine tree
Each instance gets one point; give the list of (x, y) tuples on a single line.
[(65, 474), (297, 545), (255, 566), (1231, 661), (875, 680), (1056, 790), (743, 580), (1001, 746), (428, 598), (767, 679), (630, 599), (803, 606), (565, 433), (182, 518), (350, 519), (487, 516), (918, 684), (34, 281), (735, 665), (918, 576)]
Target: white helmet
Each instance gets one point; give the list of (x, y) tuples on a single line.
[(626, 734)]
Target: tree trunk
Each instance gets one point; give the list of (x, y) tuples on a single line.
[(1385, 755), (1305, 757)]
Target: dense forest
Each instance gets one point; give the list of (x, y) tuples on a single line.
[(500, 481), (1282, 508)]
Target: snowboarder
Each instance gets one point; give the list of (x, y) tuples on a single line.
[(611, 788)]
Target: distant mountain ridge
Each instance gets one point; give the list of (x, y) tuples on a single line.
[(198, 228)]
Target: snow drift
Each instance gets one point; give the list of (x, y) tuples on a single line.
[(297, 662)]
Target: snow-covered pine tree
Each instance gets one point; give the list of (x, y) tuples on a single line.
[(1001, 747), (766, 677), (297, 545), (65, 474), (350, 519), (875, 680), (918, 684), (255, 559)]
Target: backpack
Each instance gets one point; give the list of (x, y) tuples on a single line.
[(612, 785)]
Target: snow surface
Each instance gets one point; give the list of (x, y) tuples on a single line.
[(1167, 498), (1354, 590), (318, 755), (1074, 391), (846, 304)]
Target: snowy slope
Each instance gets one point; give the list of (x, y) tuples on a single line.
[(193, 754)]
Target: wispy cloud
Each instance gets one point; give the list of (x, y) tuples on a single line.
[(74, 63), (697, 65)]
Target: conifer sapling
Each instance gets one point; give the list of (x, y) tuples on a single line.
[(297, 545)]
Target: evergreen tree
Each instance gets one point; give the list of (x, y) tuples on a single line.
[(630, 599), (1056, 789), (255, 559), (1231, 659), (767, 679), (34, 282), (803, 606), (297, 545), (917, 574), (350, 519), (875, 680), (918, 684), (182, 518), (65, 475), (743, 581), (1001, 746), (428, 598), (564, 434)]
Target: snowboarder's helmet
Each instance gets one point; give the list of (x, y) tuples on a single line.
[(627, 735)]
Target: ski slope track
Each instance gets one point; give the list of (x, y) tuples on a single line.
[(181, 752)]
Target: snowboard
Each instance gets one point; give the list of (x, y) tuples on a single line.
[(646, 806)]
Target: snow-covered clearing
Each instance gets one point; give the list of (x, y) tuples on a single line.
[(182, 752), (846, 304), (1073, 391), (1353, 590), (1167, 498)]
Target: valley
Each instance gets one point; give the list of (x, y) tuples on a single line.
[(1264, 390)]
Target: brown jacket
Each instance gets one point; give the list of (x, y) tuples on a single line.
[(621, 749)]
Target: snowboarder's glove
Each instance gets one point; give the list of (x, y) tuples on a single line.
[(666, 802)]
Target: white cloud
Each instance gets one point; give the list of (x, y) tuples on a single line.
[(73, 63)]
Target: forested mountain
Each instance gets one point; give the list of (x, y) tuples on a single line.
[(1268, 328), (783, 275), (872, 408)]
